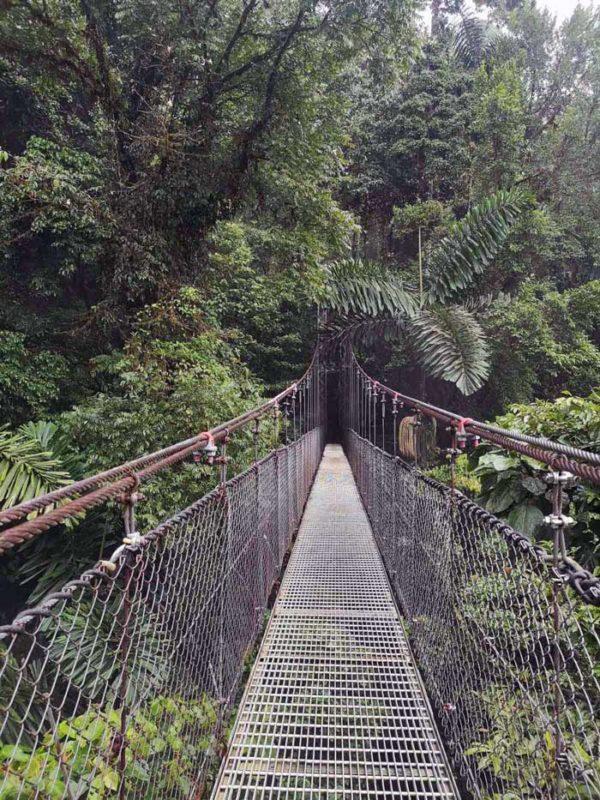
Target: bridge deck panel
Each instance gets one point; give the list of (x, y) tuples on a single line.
[(334, 707)]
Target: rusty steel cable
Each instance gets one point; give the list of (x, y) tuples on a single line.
[(97, 489), (505, 634), (360, 390), (78, 488), (553, 459), (121, 684), (540, 448)]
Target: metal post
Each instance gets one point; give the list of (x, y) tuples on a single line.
[(418, 423), (395, 424), (129, 501), (276, 415), (374, 416), (124, 679), (222, 461), (255, 437), (558, 522), (294, 394)]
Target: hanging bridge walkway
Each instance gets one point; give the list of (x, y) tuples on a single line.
[(418, 648), (334, 706)]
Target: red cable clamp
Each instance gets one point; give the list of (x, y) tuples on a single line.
[(208, 452), (461, 433), (398, 401)]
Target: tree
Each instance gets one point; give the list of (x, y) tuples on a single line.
[(135, 130), (444, 336), (409, 143), (539, 348), (30, 381)]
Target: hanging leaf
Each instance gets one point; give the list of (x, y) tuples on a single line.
[(451, 345), (472, 243), (525, 518), (365, 289)]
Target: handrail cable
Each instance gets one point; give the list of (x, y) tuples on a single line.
[(557, 455), (91, 492)]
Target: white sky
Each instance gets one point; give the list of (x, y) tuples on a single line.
[(561, 8)]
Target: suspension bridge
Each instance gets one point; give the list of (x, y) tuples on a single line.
[(413, 645)]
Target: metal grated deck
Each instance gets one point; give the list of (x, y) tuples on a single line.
[(334, 707)]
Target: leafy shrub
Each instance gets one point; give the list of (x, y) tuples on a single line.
[(176, 376), (29, 381), (513, 485), (519, 751), (265, 309), (164, 742), (465, 481), (584, 307), (539, 349)]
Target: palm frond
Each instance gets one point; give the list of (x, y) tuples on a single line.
[(364, 330), (451, 345), (474, 39), (368, 290), (27, 467), (472, 243), (485, 302)]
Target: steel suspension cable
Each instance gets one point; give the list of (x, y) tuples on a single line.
[(555, 454), (97, 489)]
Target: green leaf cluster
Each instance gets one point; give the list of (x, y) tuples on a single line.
[(513, 486), (28, 467), (165, 742), (30, 381)]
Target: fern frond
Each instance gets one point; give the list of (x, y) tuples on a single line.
[(451, 345), (472, 243), (368, 290)]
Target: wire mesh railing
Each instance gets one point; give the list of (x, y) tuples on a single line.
[(505, 634), (121, 685)]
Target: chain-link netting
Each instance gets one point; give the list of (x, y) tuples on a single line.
[(122, 684), (508, 650)]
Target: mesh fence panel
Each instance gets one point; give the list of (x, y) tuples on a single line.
[(121, 685), (509, 653)]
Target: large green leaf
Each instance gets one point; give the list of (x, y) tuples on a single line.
[(472, 243), (525, 518), (503, 496), (451, 345), (367, 290), (27, 468)]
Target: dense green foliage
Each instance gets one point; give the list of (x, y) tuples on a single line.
[(511, 102), (512, 486), (181, 185), (167, 205), (543, 341), (155, 760), (243, 148)]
